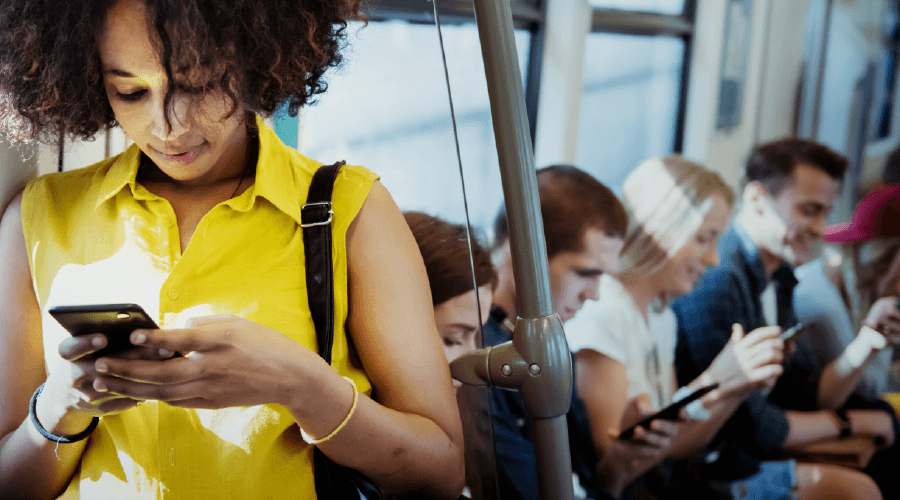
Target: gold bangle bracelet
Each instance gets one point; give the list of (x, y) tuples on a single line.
[(306, 437)]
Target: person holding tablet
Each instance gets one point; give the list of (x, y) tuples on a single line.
[(199, 223), (626, 339)]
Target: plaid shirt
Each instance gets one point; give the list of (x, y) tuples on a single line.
[(728, 294)]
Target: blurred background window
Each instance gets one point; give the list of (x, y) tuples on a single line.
[(886, 75), (629, 105), (386, 108), (659, 6)]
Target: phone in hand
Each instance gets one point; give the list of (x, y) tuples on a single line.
[(790, 332), (670, 412), (116, 321)]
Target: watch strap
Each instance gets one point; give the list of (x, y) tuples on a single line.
[(846, 426)]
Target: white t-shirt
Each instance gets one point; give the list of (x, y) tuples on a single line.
[(614, 327)]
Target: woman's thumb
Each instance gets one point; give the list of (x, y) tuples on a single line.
[(737, 332), (643, 403)]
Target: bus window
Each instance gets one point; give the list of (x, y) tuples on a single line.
[(629, 103), (387, 108), (657, 6)]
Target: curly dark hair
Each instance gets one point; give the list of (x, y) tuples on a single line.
[(261, 55)]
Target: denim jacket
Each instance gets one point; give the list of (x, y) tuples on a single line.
[(731, 293)]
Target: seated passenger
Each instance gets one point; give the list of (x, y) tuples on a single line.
[(445, 250), (624, 344), (790, 189), (869, 255), (584, 227)]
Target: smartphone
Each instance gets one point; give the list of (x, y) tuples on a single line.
[(790, 332), (116, 321), (670, 412)]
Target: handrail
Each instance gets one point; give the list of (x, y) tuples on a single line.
[(536, 362)]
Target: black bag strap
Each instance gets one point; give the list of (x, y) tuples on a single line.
[(316, 216), (332, 481)]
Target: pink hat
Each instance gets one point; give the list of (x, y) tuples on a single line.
[(876, 216)]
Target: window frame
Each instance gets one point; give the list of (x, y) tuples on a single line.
[(531, 15), (527, 15), (622, 22)]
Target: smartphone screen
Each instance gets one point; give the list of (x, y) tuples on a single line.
[(116, 321)]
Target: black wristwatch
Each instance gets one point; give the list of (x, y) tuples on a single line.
[(846, 425)]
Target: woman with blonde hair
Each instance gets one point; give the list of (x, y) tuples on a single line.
[(624, 344)]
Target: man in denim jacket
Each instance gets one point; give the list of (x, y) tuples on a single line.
[(790, 189)]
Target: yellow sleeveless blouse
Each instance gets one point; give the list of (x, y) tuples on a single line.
[(96, 236)]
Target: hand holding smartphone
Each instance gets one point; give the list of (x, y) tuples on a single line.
[(790, 332), (670, 412), (116, 321)]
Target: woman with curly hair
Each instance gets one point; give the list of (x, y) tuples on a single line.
[(199, 223)]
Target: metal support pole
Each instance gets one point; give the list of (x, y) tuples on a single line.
[(536, 362), (523, 211)]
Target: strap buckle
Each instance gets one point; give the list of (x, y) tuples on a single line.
[(330, 212)]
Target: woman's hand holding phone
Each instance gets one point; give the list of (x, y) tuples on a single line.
[(626, 459), (69, 400), (660, 431), (229, 361)]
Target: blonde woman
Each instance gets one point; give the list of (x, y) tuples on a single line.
[(624, 344)]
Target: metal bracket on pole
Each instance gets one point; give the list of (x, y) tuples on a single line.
[(537, 375), (536, 362)]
